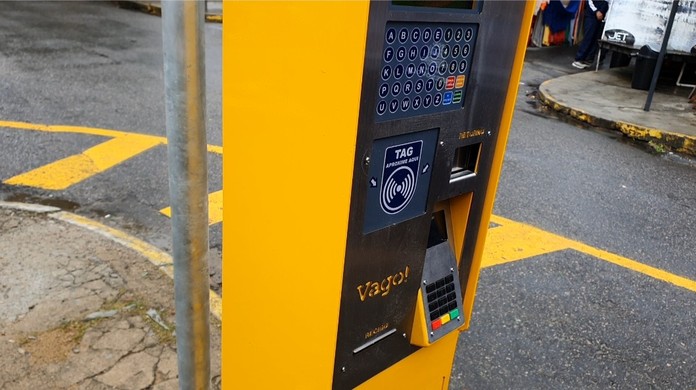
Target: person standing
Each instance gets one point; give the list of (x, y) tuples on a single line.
[(592, 28)]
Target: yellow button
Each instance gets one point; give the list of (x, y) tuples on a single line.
[(445, 319), (460, 81)]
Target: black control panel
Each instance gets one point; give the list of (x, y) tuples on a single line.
[(425, 68), (434, 87)]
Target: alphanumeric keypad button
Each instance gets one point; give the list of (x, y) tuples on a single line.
[(453, 66), (427, 34), (448, 34), (424, 51), (421, 69), (381, 107), (429, 85), (383, 90), (415, 35), (408, 87), (430, 288), (437, 35), (432, 68), (401, 53), (451, 297), (468, 34), (440, 283), (435, 51), (452, 305), (458, 34), (396, 89), (442, 68), (455, 51), (449, 278), (444, 311), (393, 106), (465, 50), (440, 83), (388, 54), (386, 72), (432, 306), (411, 70), (432, 297), (403, 35), (398, 71), (390, 36), (437, 99), (416, 102), (441, 292), (445, 51), (442, 302), (434, 315), (419, 85), (462, 66), (413, 53), (427, 100), (405, 104)]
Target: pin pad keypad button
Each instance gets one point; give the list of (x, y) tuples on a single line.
[(441, 302), (434, 58)]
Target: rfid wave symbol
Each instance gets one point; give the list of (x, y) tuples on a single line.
[(398, 190)]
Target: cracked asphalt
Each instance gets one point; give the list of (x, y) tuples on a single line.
[(82, 312)]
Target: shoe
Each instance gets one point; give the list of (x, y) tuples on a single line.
[(581, 64)]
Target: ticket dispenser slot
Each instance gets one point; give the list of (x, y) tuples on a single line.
[(465, 162)]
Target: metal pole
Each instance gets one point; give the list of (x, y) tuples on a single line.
[(184, 81), (661, 56)]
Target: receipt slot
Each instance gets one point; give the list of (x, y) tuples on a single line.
[(363, 145)]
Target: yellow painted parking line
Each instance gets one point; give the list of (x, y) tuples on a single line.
[(514, 241), (71, 170), (86, 130), (214, 208), (636, 266), (510, 241)]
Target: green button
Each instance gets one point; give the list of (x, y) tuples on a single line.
[(454, 313)]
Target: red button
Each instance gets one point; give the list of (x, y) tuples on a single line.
[(436, 324), (450, 82)]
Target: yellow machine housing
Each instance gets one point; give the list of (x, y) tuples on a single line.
[(363, 145)]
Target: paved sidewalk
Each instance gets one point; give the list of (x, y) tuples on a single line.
[(606, 99), (80, 311)]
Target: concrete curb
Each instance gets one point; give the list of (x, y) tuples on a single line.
[(679, 142), (154, 255), (156, 9)]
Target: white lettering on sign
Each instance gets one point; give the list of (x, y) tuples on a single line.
[(403, 153)]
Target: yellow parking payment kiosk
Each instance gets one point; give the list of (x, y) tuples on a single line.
[(363, 144)]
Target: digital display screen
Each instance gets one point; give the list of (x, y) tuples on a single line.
[(445, 4)]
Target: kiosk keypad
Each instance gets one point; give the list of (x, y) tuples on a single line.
[(442, 302), (425, 68)]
